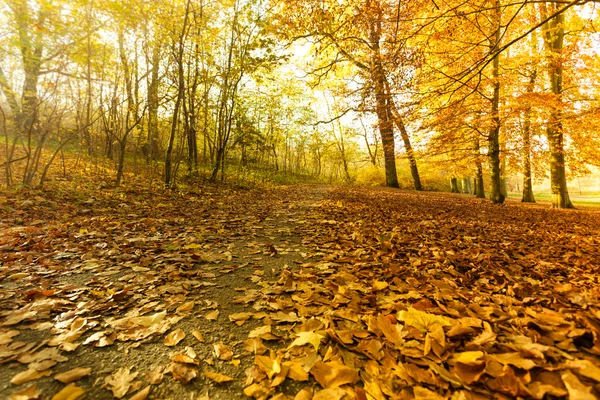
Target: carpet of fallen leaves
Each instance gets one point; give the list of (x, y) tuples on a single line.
[(301, 292)]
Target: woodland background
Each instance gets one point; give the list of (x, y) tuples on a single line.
[(473, 96)]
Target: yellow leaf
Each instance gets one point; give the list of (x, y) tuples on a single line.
[(270, 366), (212, 316), (142, 394), (174, 337), (219, 378), (468, 357), (306, 338), (422, 393), (28, 375), (198, 335), (421, 320), (333, 374), (585, 368), (513, 359), (72, 375), (576, 389), (70, 392)]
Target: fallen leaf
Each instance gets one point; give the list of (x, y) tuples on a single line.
[(120, 381), (335, 393), (576, 389), (183, 373), (212, 316), (173, 338), (307, 337), (333, 374), (31, 393), (28, 375), (268, 365), (198, 335), (185, 359), (142, 394), (72, 375), (222, 352), (70, 392), (421, 320), (306, 393), (219, 378), (585, 368)]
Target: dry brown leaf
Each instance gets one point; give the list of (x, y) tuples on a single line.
[(120, 381), (222, 352), (185, 307), (142, 394), (183, 373), (155, 377), (585, 368), (31, 393), (72, 375), (185, 359), (7, 336), (28, 375), (198, 335), (333, 374), (240, 318), (255, 346), (219, 378), (514, 359), (173, 338), (296, 370), (422, 393), (212, 315), (268, 365), (306, 393), (42, 365), (421, 320), (576, 389), (257, 391), (335, 393)]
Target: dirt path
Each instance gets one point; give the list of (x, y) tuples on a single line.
[(111, 259), (295, 291)]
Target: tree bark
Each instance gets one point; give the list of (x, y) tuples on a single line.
[(554, 33), (479, 189), (526, 152), (410, 154), (381, 104), (494, 133)]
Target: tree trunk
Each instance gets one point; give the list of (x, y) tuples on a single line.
[(381, 104), (554, 33), (466, 185), (152, 153), (527, 181), (180, 94), (410, 154), (479, 189), (454, 185), (494, 133)]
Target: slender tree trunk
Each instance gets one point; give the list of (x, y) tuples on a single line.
[(494, 133), (527, 181), (554, 32), (479, 188), (410, 154), (169, 180), (381, 104), (152, 153)]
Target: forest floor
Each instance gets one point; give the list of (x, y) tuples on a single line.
[(305, 292)]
